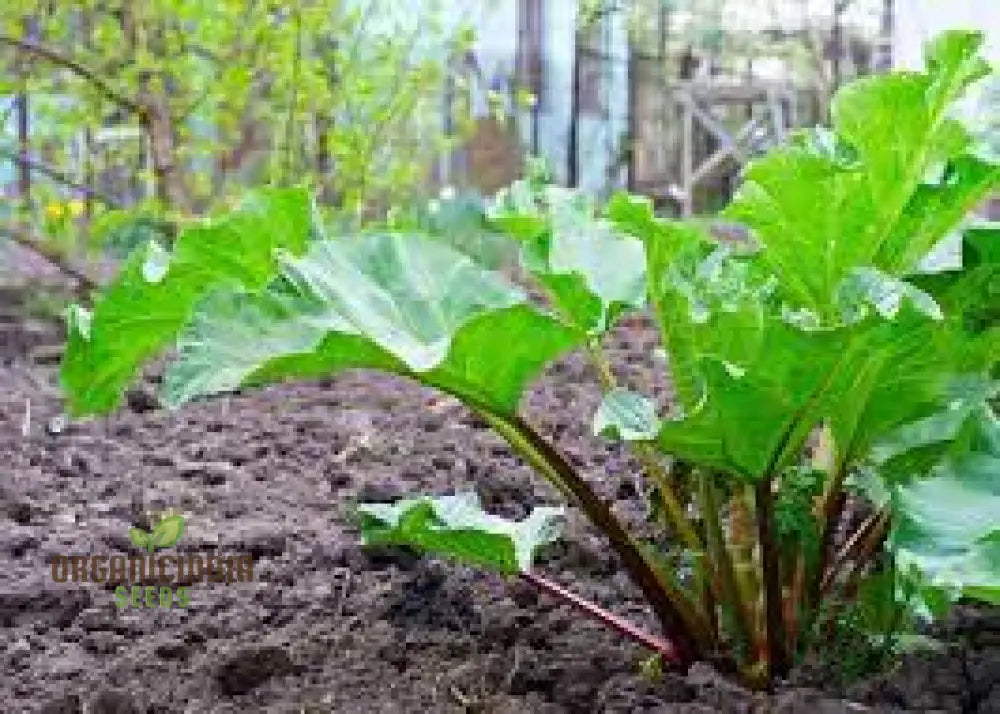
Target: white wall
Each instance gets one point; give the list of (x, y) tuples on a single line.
[(554, 117), (917, 21)]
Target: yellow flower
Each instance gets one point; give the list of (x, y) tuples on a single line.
[(54, 210), (76, 207)]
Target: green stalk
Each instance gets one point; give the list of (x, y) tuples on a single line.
[(771, 577), (726, 591), (673, 511), (648, 459), (741, 548), (676, 613)]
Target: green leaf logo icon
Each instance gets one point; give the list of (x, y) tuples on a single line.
[(166, 533), (140, 538)]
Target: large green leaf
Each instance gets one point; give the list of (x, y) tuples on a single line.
[(456, 526), (591, 270), (947, 523), (972, 292), (903, 371), (746, 376), (152, 298), (755, 415), (710, 303), (916, 446), (881, 190), (400, 303)]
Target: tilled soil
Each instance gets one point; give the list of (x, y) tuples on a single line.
[(327, 626)]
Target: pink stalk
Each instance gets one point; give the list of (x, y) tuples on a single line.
[(664, 648)]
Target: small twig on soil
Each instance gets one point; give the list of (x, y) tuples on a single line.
[(664, 648), (509, 679)]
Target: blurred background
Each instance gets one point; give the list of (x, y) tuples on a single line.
[(119, 121)]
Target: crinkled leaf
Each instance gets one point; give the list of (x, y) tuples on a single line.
[(400, 303), (457, 527), (709, 303), (903, 371), (971, 293), (890, 373), (743, 374), (592, 271), (634, 215), (751, 421), (864, 287), (152, 298), (826, 205), (947, 524), (915, 446), (626, 415), (459, 222)]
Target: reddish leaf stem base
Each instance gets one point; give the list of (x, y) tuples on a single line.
[(663, 647)]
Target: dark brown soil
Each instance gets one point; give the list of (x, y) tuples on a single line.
[(328, 627)]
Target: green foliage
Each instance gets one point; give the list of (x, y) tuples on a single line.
[(155, 294), (401, 303), (120, 231), (795, 527), (592, 272), (456, 526), (947, 530), (820, 322), (878, 625), (229, 95)]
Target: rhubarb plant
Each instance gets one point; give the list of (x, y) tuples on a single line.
[(811, 363)]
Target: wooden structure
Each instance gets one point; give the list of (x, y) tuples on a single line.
[(768, 113), (699, 134)]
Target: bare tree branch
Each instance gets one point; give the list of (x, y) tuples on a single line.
[(35, 244), (58, 58), (58, 176)]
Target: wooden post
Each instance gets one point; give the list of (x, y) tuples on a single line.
[(687, 160)]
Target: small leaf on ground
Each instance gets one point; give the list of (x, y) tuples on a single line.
[(626, 415), (457, 527)]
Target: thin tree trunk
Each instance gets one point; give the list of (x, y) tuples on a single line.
[(162, 148), (24, 129), (573, 148), (324, 159), (885, 59), (23, 145), (632, 136)]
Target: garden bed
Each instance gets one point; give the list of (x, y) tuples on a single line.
[(327, 626)]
